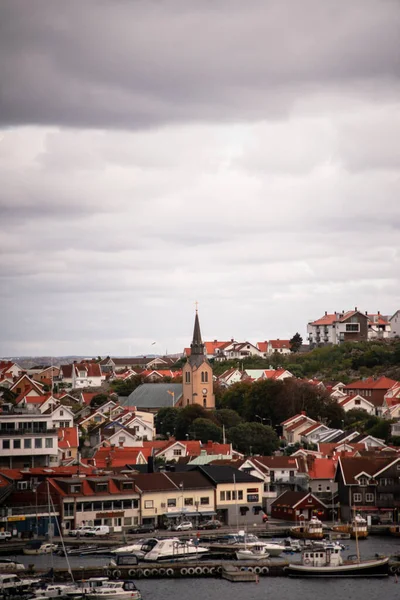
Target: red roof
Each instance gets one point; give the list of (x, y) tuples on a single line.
[(273, 373), (382, 383), (328, 319), (110, 457), (280, 344), (322, 468), (68, 437), (262, 346), (88, 397)]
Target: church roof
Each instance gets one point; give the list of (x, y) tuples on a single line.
[(197, 354)]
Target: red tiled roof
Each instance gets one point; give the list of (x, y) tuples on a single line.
[(277, 462), (262, 346), (328, 319), (322, 468), (116, 457), (280, 344), (382, 383), (68, 437), (88, 397), (273, 373), (296, 424)]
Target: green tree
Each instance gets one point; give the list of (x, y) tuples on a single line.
[(227, 417), (205, 430), (296, 342), (165, 421), (235, 396), (98, 400), (186, 416), (253, 438)]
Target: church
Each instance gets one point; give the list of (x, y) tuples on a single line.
[(197, 374)]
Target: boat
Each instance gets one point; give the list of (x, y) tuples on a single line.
[(8, 564), (10, 584), (291, 546), (312, 529), (357, 527), (139, 548), (88, 586), (118, 590), (325, 562), (253, 553), (53, 590), (394, 530), (273, 548), (174, 549), (37, 547)]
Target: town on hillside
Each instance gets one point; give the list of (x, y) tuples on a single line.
[(227, 430)]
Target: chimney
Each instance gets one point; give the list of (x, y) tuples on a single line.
[(366, 313), (355, 308), (379, 312), (326, 313), (303, 412), (150, 464)]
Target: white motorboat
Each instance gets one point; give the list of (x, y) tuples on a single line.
[(274, 548), (139, 548), (292, 545), (91, 585), (320, 562), (7, 564), (118, 590), (175, 549), (54, 590), (253, 553), (36, 547), (13, 583)]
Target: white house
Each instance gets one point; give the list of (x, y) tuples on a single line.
[(313, 434), (241, 350), (357, 402), (230, 377), (82, 375), (395, 324)]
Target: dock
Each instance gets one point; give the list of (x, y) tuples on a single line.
[(236, 575)]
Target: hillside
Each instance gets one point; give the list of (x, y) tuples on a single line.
[(347, 362)]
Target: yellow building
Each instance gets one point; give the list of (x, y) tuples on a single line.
[(197, 374)]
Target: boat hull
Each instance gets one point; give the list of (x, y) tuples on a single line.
[(302, 534), (361, 535), (370, 568)]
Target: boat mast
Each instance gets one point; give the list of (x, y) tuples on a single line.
[(356, 534)]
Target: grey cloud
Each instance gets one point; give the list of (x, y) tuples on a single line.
[(139, 64)]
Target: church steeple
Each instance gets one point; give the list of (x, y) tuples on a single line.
[(197, 346)]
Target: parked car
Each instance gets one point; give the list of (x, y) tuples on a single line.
[(5, 535), (212, 524), (145, 528), (97, 531), (183, 526), (81, 531)]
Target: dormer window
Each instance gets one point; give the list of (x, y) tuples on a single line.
[(127, 485), (102, 487), (76, 488), (363, 481)]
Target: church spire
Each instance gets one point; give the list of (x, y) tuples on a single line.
[(197, 346)]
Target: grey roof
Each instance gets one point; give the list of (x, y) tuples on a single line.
[(226, 474), (153, 395)]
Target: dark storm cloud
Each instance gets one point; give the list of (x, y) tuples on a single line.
[(138, 64)]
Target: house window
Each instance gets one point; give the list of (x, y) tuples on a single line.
[(357, 497), (252, 498), (38, 442), (178, 452), (17, 444), (171, 502), (204, 377), (369, 497), (102, 487), (357, 401), (6, 444), (28, 443), (228, 496), (187, 377), (319, 487), (61, 413), (205, 500), (363, 481), (240, 495), (75, 489), (22, 485), (127, 485), (149, 504), (49, 442), (222, 496), (188, 501)]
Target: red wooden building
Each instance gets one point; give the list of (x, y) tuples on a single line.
[(296, 506)]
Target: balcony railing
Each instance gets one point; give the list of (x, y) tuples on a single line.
[(27, 431)]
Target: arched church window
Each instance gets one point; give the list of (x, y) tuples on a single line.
[(205, 377), (202, 377), (187, 377)]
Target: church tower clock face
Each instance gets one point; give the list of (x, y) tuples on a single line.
[(204, 391)]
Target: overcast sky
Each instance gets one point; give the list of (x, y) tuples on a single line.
[(154, 153)]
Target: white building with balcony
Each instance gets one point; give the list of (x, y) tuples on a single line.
[(28, 439)]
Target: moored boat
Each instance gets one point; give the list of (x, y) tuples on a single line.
[(311, 530), (253, 553), (357, 528), (37, 547), (320, 562), (118, 590), (175, 549)]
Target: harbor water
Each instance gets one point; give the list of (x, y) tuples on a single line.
[(278, 588)]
